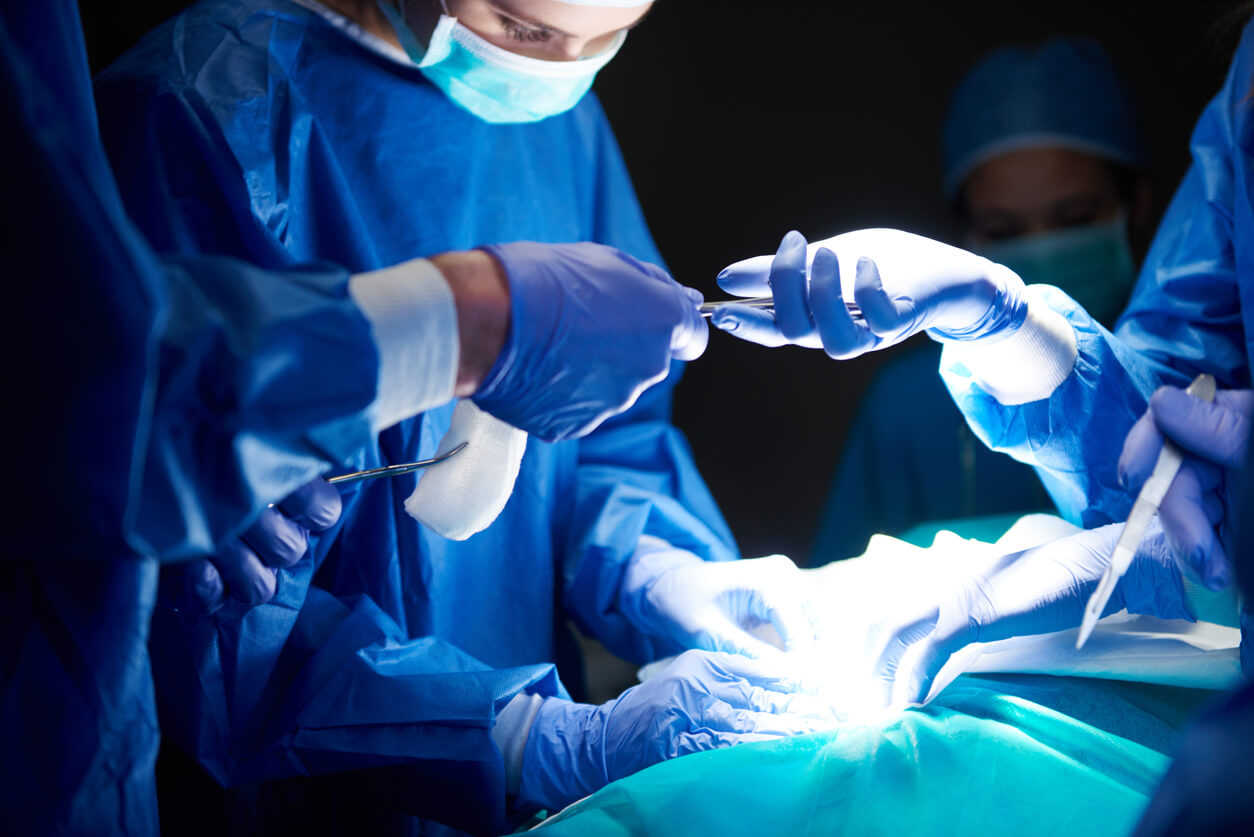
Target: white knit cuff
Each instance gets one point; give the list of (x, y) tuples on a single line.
[(414, 319), (1026, 366), (509, 734)]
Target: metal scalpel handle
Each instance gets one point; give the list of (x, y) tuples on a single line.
[(1143, 510)]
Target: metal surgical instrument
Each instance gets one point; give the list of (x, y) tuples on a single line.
[(1143, 510), (766, 303), (393, 470), (397, 470)]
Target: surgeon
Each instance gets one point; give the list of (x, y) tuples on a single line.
[(410, 662), (1033, 372), (132, 358), (169, 399), (1045, 168)]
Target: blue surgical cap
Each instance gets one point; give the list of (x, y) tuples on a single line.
[(1064, 92)]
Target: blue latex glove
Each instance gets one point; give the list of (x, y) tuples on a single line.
[(245, 567), (591, 328), (673, 595), (1194, 512), (1037, 591), (702, 701), (903, 283)]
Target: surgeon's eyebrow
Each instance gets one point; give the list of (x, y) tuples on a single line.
[(539, 24), (529, 21)]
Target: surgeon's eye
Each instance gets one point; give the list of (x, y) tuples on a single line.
[(522, 33), (998, 230)]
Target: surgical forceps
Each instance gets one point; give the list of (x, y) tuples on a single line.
[(393, 470), (767, 303), (397, 470)]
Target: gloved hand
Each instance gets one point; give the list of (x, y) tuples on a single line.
[(673, 595), (591, 328), (1194, 512), (702, 701), (1036, 591), (245, 567), (903, 284)]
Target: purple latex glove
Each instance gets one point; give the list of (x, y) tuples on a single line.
[(1194, 512), (903, 284), (701, 701), (245, 568), (591, 328)]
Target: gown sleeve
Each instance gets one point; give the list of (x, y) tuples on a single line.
[(181, 396), (265, 379), (1184, 318), (311, 684), (154, 407)]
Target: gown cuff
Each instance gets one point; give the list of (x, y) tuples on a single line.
[(1026, 366), (513, 723), (413, 316)]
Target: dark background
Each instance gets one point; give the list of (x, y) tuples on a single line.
[(740, 121)]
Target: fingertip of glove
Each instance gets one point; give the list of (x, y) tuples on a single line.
[(691, 342), (792, 238), (260, 588), (725, 320), (1169, 402), (1217, 576), (825, 261), (324, 517), (918, 691), (205, 590)]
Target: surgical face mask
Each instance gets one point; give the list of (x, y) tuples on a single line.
[(495, 84), (1093, 264)]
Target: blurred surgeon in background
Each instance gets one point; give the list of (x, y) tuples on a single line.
[(1040, 379), (1046, 168)]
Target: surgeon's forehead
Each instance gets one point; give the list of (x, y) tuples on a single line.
[(572, 19), (1038, 178)]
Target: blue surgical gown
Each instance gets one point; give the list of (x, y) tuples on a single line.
[(1187, 315), (258, 129), (151, 415)]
